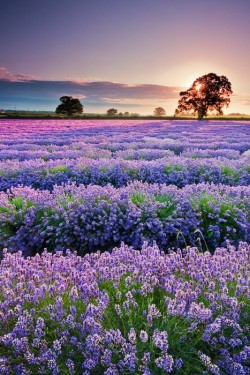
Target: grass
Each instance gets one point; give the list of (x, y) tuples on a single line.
[(184, 342), (59, 169), (215, 213), (230, 172), (137, 198), (169, 206), (172, 167)]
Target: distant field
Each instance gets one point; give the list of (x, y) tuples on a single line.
[(200, 167), (135, 247), (52, 115)]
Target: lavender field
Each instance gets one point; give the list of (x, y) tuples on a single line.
[(125, 247)]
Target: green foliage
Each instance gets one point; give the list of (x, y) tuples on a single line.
[(169, 206), (133, 173), (13, 215), (230, 172), (207, 93), (137, 198), (69, 106), (142, 156), (58, 169), (112, 112), (134, 299), (172, 167), (104, 168), (183, 342), (64, 200), (102, 198), (159, 111), (44, 158), (215, 212)]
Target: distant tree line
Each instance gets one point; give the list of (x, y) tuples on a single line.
[(112, 112), (71, 106), (159, 111), (209, 93)]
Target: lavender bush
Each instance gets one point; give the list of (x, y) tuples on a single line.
[(128, 312), (71, 188), (118, 172), (94, 217)]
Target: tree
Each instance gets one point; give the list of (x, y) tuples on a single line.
[(69, 106), (112, 112), (159, 111), (208, 93)]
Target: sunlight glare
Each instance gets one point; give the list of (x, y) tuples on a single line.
[(198, 86)]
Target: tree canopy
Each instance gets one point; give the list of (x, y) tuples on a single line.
[(207, 93), (159, 111), (70, 106), (112, 112)]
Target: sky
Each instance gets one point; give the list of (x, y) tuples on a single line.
[(133, 55)]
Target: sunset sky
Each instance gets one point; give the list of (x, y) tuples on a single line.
[(133, 55)]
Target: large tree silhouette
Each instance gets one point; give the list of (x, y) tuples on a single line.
[(208, 93), (69, 106)]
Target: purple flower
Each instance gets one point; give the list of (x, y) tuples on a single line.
[(165, 362), (143, 336), (57, 345), (178, 364), (132, 336), (160, 339), (70, 365)]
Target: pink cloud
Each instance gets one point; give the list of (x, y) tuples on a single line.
[(6, 75)]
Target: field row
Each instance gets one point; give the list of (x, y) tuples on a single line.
[(118, 172), (70, 136), (220, 134), (98, 218), (48, 153), (127, 312)]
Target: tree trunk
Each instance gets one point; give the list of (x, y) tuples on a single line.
[(201, 113)]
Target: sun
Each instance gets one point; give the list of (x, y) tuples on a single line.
[(198, 86)]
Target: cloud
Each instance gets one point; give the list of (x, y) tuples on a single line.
[(116, 91), (130, 102), (242, 99), (25, 90), (6, 75)]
